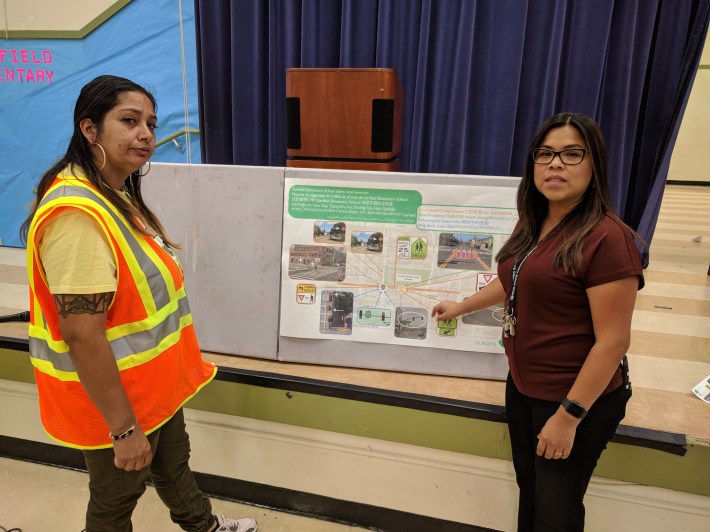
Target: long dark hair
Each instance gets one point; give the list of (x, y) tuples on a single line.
[(579, 223), (96, 99)]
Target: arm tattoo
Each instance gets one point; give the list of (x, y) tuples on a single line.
[(82, 303)]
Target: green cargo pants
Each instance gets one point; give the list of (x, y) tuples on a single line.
[(114, 493)]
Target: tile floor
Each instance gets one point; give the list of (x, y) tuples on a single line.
[(62, 495)]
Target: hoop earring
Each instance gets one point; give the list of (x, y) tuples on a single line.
[(141, 175), (104, 154)]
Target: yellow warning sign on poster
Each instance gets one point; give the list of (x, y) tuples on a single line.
[(306, 294)]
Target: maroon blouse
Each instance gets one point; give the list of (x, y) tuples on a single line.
[(554, 331)]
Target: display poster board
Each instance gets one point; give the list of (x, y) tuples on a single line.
[(339, 267), (366, 256), (367, 262)]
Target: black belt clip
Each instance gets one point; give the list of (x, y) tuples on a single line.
[(626, 383)]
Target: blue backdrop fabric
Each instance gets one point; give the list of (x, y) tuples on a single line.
[(479, 76), (141, 42)]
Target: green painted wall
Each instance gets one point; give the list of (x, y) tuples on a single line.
[(15, 366), (403, 425), (436, 431)]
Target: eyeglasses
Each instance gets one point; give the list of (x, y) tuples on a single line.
[(570, 157)]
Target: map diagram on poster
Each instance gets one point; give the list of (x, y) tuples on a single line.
[(367, 262)]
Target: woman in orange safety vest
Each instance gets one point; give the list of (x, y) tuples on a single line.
[(111, 336)]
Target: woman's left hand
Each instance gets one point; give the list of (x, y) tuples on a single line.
[(556, 438)]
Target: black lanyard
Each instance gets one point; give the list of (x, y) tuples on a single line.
[(509, 319)]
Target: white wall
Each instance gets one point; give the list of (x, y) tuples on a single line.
[(690, 156)]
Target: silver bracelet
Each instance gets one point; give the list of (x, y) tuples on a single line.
[(125, 433)]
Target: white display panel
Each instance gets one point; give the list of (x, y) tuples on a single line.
[(367, 262), (256, 274), (228, 221), (450, 204)]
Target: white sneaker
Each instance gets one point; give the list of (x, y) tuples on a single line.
[(225, 524)]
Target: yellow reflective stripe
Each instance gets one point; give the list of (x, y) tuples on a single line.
[(37, 309), (41, 345), (114, 333), (41, 333), (166, 343), (48, 367), (148, 323), (34, 255), (74, 446), (144, 288)]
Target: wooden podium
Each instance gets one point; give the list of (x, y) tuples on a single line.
[(344, 118)]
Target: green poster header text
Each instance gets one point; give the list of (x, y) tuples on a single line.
[(354, 204)]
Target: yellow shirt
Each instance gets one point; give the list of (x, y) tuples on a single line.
[(76, 255)]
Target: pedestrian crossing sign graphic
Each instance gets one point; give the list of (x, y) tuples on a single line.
[(411, 247), (419, 249), (447, 327)]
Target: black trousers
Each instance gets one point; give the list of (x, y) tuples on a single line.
[(552, 491)]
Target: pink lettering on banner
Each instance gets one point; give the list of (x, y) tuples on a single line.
[(13, 73)]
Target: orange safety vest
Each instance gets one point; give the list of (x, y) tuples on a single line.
[(148, 325)]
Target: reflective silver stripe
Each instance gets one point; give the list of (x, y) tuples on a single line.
[(156, 283), (140, 342), (40, 350), (122, 347)]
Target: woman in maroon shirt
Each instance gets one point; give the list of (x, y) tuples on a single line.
[(568, 276)]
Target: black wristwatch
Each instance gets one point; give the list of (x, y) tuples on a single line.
[(574, 408)]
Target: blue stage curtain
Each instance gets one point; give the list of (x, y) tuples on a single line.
[(479, 76)]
